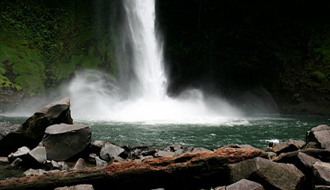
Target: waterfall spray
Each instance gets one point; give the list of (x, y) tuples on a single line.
[(139, 93)]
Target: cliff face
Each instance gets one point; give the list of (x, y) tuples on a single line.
[(226, 47), (237, 46), (42, 44)]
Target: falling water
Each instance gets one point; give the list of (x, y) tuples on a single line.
[(147, 58), (139, 93)]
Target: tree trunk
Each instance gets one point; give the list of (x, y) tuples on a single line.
[(188, 171)]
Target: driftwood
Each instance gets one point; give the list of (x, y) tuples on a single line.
[(188, 171)]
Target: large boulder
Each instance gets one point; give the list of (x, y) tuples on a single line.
[(319, 135), (288, 146), (322, 173), (32, 130), (10, 140), (54, 113), (110, 152), (303, 162), (65, 141), (270, 174)]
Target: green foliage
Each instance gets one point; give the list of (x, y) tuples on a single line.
[(25, 65), (319, 76), (42, 43)]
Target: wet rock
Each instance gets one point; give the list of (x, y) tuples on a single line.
[(96, 146), (322, 154), (34, 158), (39, 154), (306, 160), (220, 188), (271, 155), (321, 187), (288, 146), (239, 146), (320, 135), (23, 151), (4, 160), (162, 153), (200, 149), (312, 145), (10, 139), (32, 130), (76, 187), (177, 149), (270, 174), (80, 164), (64, 141), (17, 162), (100, 163), (246, 185), (304, 163), (33, 172), (148, 152), (109, 152), (322, 173), (53, 165)]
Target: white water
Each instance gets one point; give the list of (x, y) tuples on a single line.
[(95, 95)]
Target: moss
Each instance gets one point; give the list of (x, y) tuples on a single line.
[(319, 76), (26, 67)]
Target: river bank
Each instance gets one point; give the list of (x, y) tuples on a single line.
[(65, 154)]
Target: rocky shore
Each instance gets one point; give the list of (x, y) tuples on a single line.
[(57, 153)]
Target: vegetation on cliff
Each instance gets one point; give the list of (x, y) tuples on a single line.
[(43, 43)]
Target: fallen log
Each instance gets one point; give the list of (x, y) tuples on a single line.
[(188, 171)]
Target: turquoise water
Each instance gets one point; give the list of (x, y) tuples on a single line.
[(256, 131)]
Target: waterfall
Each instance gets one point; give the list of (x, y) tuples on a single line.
[(138, 93), (146, 50)]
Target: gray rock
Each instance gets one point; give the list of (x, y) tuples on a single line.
[(16, 162), (306, 160), (76, 187), (100, 163), (7, 132), (177, 149), (246, 185), (64, 141), (321, 187), (201, 150), (239, 146), (32, 130), (162, 153), (39, 154), (80, 164), (320, 135), (109, 152), (34, 158), (304, 163), (220, 188), (270, 174), (34, 172), (53, 165), (322, 173), (4, 160), (20, 152), (96, 146), (288, 146), (271, 155)]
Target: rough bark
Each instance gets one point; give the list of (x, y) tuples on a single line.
[(192, 170)]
